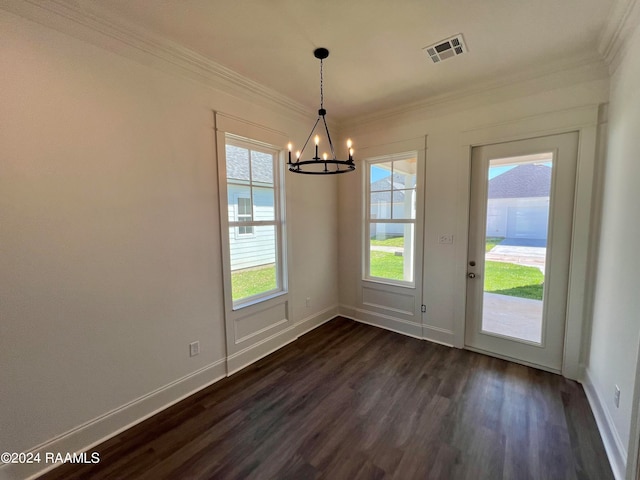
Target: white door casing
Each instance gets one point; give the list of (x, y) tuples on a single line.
[(549, 353)]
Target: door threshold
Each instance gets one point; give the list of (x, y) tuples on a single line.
[(513, 360)]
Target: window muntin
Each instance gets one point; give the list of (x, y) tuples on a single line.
[(391, 218), (255, 220)]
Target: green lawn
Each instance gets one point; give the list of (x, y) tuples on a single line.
[(387, 265), (500, 277), (513, 280), (388, 242), (492, 242), (249, 282), (399, 242)]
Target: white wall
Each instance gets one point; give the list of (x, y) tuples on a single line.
[(110, 261), (447, 182), (616, 311)]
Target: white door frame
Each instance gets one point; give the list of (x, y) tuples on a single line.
[(584, 120), (547, 354)]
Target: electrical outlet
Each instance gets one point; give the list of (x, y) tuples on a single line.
[(194, 349), (308, 302), (616, 396), (445, 239)]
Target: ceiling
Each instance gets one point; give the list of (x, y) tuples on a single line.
[(376, 60)]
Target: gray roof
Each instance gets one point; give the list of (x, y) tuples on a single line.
[(385, 184), (238, 164), (523, 181)]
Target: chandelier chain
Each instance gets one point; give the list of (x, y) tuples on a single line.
[(321, 86)]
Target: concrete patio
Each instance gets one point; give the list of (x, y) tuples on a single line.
[(512, 316), (530, 256)]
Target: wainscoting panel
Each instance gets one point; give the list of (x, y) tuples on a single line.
[(260, 321), (392, 302)]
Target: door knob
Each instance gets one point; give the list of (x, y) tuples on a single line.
[(471, 275)]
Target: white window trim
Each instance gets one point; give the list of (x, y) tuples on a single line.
[(366, 273), (225, 138)]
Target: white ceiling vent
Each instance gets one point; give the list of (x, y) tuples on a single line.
[(451, 47)]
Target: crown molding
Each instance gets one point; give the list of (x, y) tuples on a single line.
[(624, 17), (97, 27), (558, 74), (131, 41)]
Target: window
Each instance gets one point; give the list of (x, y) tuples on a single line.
[(391, 218), (255, 220), (244, 215)]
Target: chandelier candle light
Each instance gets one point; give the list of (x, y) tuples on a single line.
[(319, 165)]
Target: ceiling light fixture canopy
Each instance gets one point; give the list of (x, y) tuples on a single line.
[(321, 165)]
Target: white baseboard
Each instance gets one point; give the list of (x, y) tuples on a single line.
[(412, 329), (616, 452), (258, 350), (86, 436), (383, 321), (439, 335), (100, 429), (347, 312), (314, 321)]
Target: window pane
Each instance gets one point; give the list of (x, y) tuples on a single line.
[(404, 172), (253, 262), (404, 204), (237, 162), (391, 251), (262, 167), (263, 203), (380, 176), (244, 206), (235, 194), (380, 205)]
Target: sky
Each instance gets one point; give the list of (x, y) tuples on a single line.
[(378, 173), (495, 171)]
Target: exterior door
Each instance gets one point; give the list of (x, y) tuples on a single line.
[(520, 227)]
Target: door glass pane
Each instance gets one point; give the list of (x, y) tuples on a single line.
[(518, 197), (253, 262), (391, 251)]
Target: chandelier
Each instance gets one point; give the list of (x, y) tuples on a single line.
[(328, 164)]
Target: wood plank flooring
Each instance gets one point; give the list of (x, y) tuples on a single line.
[(350, 401)]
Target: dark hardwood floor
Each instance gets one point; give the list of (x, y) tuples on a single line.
[(350, 401)]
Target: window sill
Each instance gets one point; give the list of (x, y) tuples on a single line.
[(382, 281), (251, 301)]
